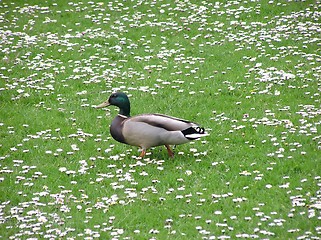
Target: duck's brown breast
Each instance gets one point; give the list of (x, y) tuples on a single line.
[(116, 128)]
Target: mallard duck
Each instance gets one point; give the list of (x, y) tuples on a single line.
[(149, 130)]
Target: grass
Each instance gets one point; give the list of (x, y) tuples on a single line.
[(251, 78)]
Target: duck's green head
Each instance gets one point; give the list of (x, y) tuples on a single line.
[(118, 99)]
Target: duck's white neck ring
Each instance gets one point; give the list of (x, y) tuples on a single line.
[(123, 116)]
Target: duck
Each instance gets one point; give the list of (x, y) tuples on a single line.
[(151, 129)]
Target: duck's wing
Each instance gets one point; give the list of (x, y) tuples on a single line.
[(163, 121), (148, 130)]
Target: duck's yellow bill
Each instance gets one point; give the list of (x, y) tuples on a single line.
[(104, 104)]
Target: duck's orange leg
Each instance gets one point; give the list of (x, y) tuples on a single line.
[(169, 150), (142, 155)]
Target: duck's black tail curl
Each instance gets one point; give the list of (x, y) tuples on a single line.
[(193, 133), (200, 130)]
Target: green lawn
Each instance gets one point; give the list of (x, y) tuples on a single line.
[(249, 72)]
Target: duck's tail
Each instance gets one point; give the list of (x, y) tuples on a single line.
[(193, 133)]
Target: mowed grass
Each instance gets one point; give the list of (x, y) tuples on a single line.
[(249, 72)]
